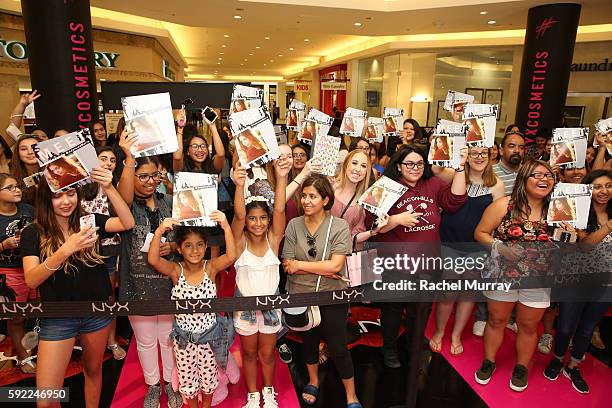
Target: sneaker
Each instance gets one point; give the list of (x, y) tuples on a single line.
[(175, 400), (518, 382), (485, 372), (284, 352), (252, 400), (553, 369), (573, 374), (512, 326), (545, 343), (269, 397), (478, 328), (152, 398)]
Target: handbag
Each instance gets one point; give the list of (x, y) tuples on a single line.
[(359, 266), (306, 317)]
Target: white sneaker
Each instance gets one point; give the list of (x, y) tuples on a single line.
[(269, 397), (252, 400), (545, 343), (512, 326), (479, 328)]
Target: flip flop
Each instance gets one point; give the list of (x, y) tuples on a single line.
[(456, 349), (435, 346), (311, 390)]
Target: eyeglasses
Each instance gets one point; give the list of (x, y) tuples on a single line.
[(542, 176), (312, 243), (199, 146), (299, 155), (11, 188), (146, 177), (478, 155), (412, 165)]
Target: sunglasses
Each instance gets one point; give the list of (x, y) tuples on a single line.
[(312, 244)]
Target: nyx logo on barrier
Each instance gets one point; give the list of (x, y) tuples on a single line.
[(346, 295), (272, 300), (26, 309), (110, 307), (541, 29), (192, 304)]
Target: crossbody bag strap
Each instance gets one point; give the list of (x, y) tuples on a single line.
[(331, 219), (348, 205)]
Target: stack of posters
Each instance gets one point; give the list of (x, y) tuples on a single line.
[(245, 98), (68, 160), (570, 203), (380, 197), (194, 198), (393, 121), (353, 122), (480, 121), (569, 147), (375, 130), (295, 114), (281, 134), (150, 116), (446, 144), (455, 103), (316, 123), (326, 150), (604, 126), (256, 142)]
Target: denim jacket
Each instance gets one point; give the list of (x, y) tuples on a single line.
[(220, 338), (270, 316)]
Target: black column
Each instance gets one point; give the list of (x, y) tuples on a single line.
[(61, 60), (545, 71)]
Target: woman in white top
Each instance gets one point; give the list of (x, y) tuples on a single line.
[(258, 235)]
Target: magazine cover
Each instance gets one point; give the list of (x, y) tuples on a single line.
[(455, 103), (194, 198), (316, 123), (255, 137), (570, 203), (68, 160), (257, 184), (295, 114), (244, 98), (445, 150), (393, 121), (375, 130), (604, 127), (448, 127), (326, 150), (480, 120), (150, 116), (281, 134), (569, 147), (353, 122), (380, 197)]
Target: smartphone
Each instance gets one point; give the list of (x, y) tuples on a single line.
[(182, 120), (33, 180), (87, 221), (209, 114)]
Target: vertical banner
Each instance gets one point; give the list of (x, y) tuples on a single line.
[(61, 61), (545, 71)]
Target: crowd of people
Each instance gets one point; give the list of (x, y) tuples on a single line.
[(498, 197)]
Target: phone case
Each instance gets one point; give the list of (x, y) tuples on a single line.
[(87, 220)]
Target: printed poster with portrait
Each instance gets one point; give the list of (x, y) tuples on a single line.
[(255, 137), (353, 122), (455, 103), (393, 119), (326, 150), (569, 146), (380, 197), (480, 121), (194, 198), (445, 150), (67, 160), (150, 116), (604, 126), (316, 123), (570, 203), (295, 114), (245, 98), (375, 130)]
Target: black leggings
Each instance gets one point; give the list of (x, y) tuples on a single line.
[(333, 329)]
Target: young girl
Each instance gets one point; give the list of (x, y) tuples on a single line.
[(194, 278), (24, 164), (14, 216), (257, 274), (61, 260), (195, 157)]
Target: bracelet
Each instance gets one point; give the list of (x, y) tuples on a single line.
[(459, 170), (51, 269), (129, 167), (372, 233), (17, 115), (297, 182)]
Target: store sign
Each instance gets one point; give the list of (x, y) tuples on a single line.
[(592, 66), (301, 87), (333, 86), (18, 51)]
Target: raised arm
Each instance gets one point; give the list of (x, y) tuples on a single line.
[(177, 157), (24, 101), (219, 159), (126, 182), (154, 256), (311, 167), (281, 168), (124, 219), (239, 203), (222, 262), (600, 159)]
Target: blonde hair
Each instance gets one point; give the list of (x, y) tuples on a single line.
[(362, 186)]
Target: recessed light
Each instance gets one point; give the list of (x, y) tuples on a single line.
[(223, 46), (237, 17), (258, 47), (266, 38), (221, 53), (250, 54), (218, 63), (220, 58), (280, 55), (306, 39), (265, 65), (291, 49), (491, 22), (483, 13), (241, 64), (357, 24), (272, 60), (245, 59), (226, 35)]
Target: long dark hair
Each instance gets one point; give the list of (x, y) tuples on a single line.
[(393, 170), (592, 224), (418, 130), (518, 197)]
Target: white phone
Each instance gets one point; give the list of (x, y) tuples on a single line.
[(87, 221)]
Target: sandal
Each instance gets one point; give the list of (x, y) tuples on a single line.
[(27, 366), (118, 352), (435, 346), (456, 349), (323, 353), (311, 390)]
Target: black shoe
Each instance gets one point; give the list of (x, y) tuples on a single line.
[(284, 352), (573, 374), (518, 382), (553, 369), (485, 372), (391, 358)]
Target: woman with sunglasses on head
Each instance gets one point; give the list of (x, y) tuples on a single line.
[(513, 226), (194, 156), (61, 259), (314, 254), (24, 164)]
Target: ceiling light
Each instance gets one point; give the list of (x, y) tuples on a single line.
[(258, 47), (250, 54), (237, 17), (483, 13), (226, 35), (220, 58), (291, 49), (266, 38), (218, 63), (271, 60), (280, 55), (223, 46), (265, 65), (306, 39), (491, 22), (221, 53), (241, 64), (245, 59), (357, 24)]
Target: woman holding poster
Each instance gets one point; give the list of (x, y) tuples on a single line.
[(195, 157)]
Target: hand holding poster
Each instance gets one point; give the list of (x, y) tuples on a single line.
[(375, 130), (380, 197), (569, 147), (255, 137), (570, 203), (604, 127), (353, 122), (325, 152), (194, 198), (244, 98), (480, 121), (69, 160), (316, 123), (455, 103), (393, 120)]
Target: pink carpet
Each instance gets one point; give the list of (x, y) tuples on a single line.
[(541, 392), (131, 389)]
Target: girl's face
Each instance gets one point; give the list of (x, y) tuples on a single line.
[(108, 160), (99, 132), (193, 248), (363, 145), (540, 188), (480, 160), (286, 154), (26, 153), (257, 221), (356, 168), (8, 196), (373, 156), (590, 154), (299, 158), (413, 175), (574, 176), (198, 149), (65, 203), (147, 187), (312, 202), (494, 152), (408, 132), (602, 190)]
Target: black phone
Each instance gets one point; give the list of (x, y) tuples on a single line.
[(187, 101), (209, 114)]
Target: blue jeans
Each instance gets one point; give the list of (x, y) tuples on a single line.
[(578, 319), (55, 329)]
